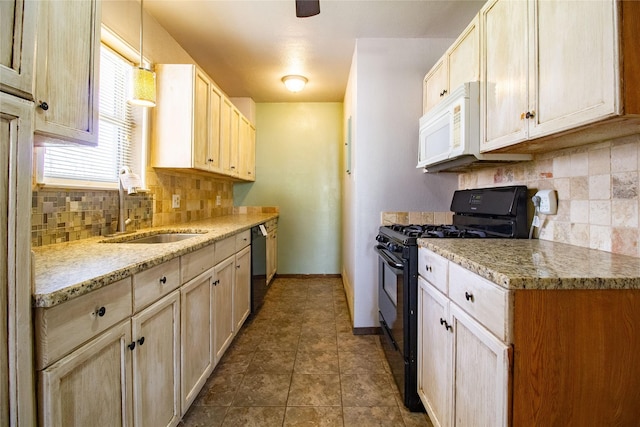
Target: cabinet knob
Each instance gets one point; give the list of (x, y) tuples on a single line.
[(468, 296), (44, 106), (443, 93), (209, 160), (233, 167), (446, 325), (101, 311), (132, 345), (528, 115), (163, 280), (141, 341)]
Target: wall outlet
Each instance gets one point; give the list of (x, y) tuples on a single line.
[(175, 201), (218, 200)]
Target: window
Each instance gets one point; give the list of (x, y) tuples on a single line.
[(120, 135)]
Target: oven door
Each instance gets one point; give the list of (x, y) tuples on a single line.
[(391, 270)]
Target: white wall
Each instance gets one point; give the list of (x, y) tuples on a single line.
[(384, 99)]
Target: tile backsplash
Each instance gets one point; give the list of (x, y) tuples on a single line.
[(62, 215), (597, 187)]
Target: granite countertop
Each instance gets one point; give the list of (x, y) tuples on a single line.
[(539, 264), (65, 271)]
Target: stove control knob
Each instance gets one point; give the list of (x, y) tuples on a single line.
[(380, 238)]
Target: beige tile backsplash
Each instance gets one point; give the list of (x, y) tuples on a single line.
[(597, 187)]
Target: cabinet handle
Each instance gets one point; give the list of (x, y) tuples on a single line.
[(528, 115), (233, 167), (209, 160), (446, 325), (132, 345), (216, 282), (101, 311), (468, 296), (141, 341), (44, 106), (237, 266), (428, 268), (443, 93), (163, 280)]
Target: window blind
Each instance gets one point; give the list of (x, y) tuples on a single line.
[(114, 150)]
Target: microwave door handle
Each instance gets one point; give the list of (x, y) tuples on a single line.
[(389, 259)]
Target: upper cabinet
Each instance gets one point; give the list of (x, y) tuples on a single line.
[(550, 67), (67, 69), (195, 125), (459, 64), (17, 46)]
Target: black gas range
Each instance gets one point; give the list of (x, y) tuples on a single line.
[(499, 212)]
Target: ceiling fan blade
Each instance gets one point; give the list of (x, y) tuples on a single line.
[(306, 8)]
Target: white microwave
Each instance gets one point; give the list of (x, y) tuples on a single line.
[(450, 134)]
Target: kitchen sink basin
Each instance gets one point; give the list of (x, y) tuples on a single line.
[(154, 238)]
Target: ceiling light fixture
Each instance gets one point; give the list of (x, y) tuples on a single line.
[(144, 80), (294, 83)]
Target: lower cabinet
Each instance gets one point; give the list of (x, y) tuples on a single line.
[(272, 252), (198, 357), (102, 359), (223, 306), (156, 363), (99, 371)]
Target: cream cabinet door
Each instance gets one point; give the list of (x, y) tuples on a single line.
[(272, 254), (481, 381), (435, 85), (201, 121), (214, 130), (574, 79), (434, 354), (156, 363), (90, 385), (464, 57), (246, 150), (67, 70), (223, 305), (226, 107), (234, 147), (196, 335), (17, 406), (503, 73), (242, 288), (18, 19)]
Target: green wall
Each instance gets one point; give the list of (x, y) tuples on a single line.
[(298, 164)]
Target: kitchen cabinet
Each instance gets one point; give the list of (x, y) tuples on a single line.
[(198, 357), (223, 306), (92, 383), (197, 127), (463, 369), (272, 249), (533, 84), (156, 363), (247, 150), (18, 47), (17, 406), (67, 69), (495, 356), (459, 64), (242, 288)]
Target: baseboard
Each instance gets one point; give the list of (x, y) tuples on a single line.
[(367, 331), (308, 276)]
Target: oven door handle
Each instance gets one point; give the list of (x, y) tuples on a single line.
[(389, 259), (387, 333)]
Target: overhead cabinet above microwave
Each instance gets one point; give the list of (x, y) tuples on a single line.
[(556, 74)]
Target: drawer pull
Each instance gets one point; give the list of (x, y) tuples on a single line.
[(468, 296), (100, 312), (44, 106), (141, 341), (163, 280), (427, 267), (132, 345)]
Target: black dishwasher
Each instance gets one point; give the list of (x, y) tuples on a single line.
[(258, 267)]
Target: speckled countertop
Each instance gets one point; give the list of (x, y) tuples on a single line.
[(68, 270), (539, 264)]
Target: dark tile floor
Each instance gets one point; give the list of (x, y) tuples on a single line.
[(297, 364)]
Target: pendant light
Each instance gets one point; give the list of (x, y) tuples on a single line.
[(144, 80)]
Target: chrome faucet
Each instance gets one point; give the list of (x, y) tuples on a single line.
[(122, 222)]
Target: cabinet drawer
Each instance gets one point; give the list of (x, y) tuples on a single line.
[(243, 240), (433, 268), (485, 301), (62, 328), (154, 283), (225, 248), (196, 262)]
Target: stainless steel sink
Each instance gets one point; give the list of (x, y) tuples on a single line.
[(155, 238)]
